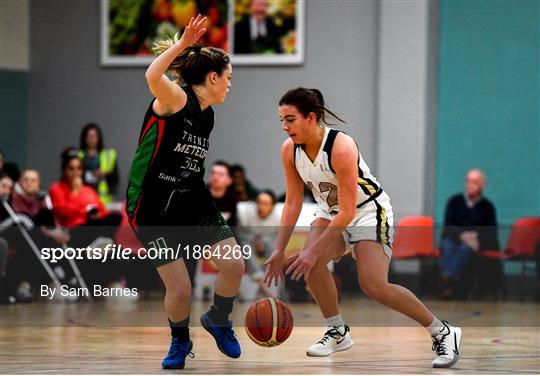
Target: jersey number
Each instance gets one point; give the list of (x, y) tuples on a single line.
[(332, 198), (191, 164)]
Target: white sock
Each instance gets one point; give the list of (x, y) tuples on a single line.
[(334, 321), (435, 327)]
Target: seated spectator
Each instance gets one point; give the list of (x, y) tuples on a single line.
[(261, 213), (25, 198), (28, 200), (259, 225), (470, 227), (222, 192), (100, 169), (14, 288), (6, 187), (74, 203), (77, 207), (245, 191), (8, 168)]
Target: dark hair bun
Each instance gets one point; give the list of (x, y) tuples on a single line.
[(308, 100), (319, 95)]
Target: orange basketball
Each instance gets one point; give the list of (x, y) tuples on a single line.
[(269, 322)]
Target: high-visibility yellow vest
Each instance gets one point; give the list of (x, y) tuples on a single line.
[(107, 161)]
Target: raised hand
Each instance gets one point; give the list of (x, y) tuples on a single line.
[(194, 30)]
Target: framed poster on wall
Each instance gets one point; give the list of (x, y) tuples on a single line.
[(253, 32)]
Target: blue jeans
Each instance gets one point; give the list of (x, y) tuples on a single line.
[(454, 257)]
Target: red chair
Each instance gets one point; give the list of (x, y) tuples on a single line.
[(523, 238), (415, 238)]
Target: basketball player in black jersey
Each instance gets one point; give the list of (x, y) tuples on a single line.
[(166, 190)]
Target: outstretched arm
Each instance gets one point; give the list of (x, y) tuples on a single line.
[(294, 198), (344, 162), (170, 97)]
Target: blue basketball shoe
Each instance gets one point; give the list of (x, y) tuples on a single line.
[(176, 358), (224, 335)]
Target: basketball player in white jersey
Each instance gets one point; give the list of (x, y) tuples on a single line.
[(353, 215)]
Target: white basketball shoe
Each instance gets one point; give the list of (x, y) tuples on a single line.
[(335, 339), (446, 346)]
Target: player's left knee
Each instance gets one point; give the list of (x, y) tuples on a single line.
[(376, 290)]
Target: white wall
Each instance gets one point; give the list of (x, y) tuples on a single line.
[(404, 110)]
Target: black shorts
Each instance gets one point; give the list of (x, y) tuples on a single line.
[(172, 224)]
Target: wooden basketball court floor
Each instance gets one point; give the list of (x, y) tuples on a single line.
[(131, 338)]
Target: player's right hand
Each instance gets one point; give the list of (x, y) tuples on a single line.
[(274, 271), (194, 30)]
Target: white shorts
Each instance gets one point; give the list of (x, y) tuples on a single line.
[(373, 221)]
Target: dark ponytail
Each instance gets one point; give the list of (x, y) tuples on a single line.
[(309, 100), (194, 62)]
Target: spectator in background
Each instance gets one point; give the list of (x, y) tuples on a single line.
[(262, 213), (74, 203), (224, 196), (222, 192), (10, 169), (245, 191), (15, 288), (6, 187), (259, 225), (470, 226), (28, 199), (100, 169), (25, 269), (77, 207)]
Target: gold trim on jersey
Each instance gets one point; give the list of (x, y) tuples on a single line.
[(368, 185), (384, 225)]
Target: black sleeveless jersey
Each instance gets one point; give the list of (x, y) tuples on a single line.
[(170, 156)]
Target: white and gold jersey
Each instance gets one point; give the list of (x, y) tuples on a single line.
[(373, 218), (320, 177)]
